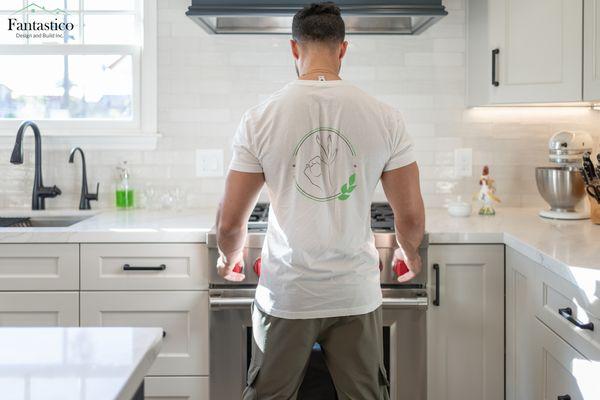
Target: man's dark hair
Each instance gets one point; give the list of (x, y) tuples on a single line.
[(319, 22)]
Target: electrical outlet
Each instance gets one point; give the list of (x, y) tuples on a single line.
[(209, 162), (463, 162)]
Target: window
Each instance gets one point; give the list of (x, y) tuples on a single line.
[(76, 65)]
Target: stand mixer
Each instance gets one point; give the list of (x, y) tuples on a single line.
[(561, 184)]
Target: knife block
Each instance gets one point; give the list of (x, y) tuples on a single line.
[(594, 210)]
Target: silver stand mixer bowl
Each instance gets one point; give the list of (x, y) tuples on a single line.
[(561, 186)]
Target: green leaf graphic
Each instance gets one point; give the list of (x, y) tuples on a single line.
[(347, 188)]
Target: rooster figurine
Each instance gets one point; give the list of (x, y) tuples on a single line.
[(486, 194)]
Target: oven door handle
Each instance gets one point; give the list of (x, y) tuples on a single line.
[(218, 303), (403, 302)]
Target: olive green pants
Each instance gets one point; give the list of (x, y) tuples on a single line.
[(352, 347)]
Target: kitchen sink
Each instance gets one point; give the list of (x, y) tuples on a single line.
[(42, 221)]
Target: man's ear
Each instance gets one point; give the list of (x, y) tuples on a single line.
[(343, 48), (295, 49)]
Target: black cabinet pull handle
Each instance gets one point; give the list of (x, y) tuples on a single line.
[(127, 267), (495, 53), (164, 333), (564, 397), (436, 269), (567, 314)]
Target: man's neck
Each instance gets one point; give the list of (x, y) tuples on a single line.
[(319, 73)]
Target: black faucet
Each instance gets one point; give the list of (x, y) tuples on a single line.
[(40, 192), (84, 201)]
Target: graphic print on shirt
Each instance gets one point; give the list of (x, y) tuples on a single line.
[(324, 163)]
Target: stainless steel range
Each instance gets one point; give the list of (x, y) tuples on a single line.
[(404, 306)]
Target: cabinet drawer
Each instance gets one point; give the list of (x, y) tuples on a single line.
[(555, 294), (39, 267), (182, 315), (176, 388), (144, 266), (565, 372), (39, 309)]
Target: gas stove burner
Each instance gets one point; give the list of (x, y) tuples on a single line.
[(258, 218), (382, 217)]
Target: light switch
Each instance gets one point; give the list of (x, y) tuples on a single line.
[(209, 162), (463, 162)]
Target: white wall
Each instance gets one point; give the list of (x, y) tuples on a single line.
[(206, 82)]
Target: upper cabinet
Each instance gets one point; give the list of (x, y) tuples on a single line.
[(527, 51), (591, 50)]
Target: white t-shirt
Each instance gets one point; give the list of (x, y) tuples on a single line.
[(322, 146)]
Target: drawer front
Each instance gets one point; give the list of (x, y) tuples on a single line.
[(182, 315), (46, 309), (565, 372), (39, 267), (176, 388), (557, 299), (143, 266)]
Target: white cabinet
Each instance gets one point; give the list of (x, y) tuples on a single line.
[(466, 331), (39, 267), (39, 309), (523, 380), (176, 388), (144, 266), (565, 373), (182, 315), (524, 51), (571, 311), (591, 50)]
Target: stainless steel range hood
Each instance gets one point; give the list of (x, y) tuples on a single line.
[(383, 17)]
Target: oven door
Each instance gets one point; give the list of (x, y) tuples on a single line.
[(404, 341)]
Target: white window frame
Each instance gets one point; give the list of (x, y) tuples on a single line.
[(141, 130)]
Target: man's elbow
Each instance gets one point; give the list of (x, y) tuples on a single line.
[(228, 228)]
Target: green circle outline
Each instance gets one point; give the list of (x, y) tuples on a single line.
[(297, 148)]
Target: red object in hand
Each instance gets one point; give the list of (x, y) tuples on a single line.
[(400, 268), (238, 268), (257, 265)]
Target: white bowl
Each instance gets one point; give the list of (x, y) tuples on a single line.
[(459, 209)]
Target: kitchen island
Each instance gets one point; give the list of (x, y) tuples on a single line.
[(76, 363)]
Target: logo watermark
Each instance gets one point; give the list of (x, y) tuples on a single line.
[(40, 29)]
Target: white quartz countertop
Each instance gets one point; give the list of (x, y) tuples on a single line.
[(75, 363), (188, 226), (570, 248)]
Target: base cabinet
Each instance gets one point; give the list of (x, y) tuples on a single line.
[(47, 309), (182, 315), (176, 388), (466, 329), (522, 363), (565, 373)]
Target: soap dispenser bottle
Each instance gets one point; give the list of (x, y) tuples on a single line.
[(124, 194)]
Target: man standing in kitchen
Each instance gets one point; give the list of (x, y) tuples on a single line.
[(320, 145)]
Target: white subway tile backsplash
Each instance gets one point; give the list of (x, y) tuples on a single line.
[(206, 82)]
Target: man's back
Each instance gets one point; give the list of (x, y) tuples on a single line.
[(322, 146)]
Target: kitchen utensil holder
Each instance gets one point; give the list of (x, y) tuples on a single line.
[(594, 210)]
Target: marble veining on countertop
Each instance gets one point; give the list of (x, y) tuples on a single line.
[(75, 363)]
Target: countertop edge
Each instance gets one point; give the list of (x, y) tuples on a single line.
[(138, 374)]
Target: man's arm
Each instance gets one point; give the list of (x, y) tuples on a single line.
[(241, 191), (402, 189)]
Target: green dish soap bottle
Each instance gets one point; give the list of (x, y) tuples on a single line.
[(124, 195)]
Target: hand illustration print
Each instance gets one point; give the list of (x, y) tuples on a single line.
[(320, 165)]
